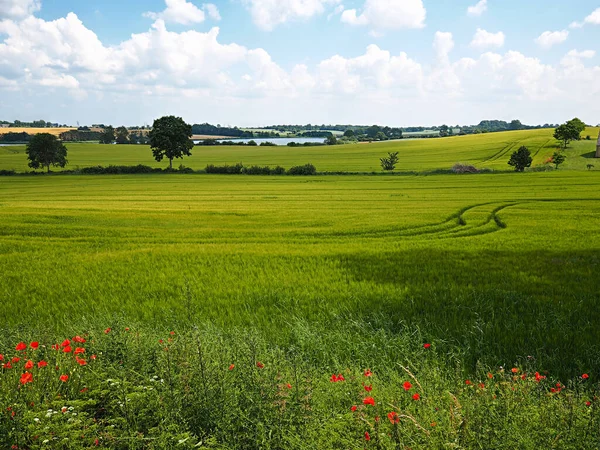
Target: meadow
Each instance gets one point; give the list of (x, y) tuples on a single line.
[(491, 151), (291, 312)]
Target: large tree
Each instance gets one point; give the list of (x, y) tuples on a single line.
[(45, 150), (521, 159), (108, 135), (566, 133), (170, 138), (122, 135)]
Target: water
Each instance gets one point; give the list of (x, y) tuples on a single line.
[(9, 145), (276, 141)]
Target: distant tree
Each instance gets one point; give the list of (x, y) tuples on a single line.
[(558, 158), (516, 125), (331, 140), (372, 131), (566, 133), (108, 135), (444, 131), (381, 136), (578, 124), (389, 162), (170, 138), (349, 133), (521, 159), (45, 150), (590, 166), (122, 135)]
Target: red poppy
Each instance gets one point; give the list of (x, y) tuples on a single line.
[(64, 378), (426, 346), (67, 349), (55, 346), (160, 341), (289, 386), (393, 417), (1, 357), (588, 403), (539, 377), (96, 442), (514, 370), (481, 386), (108, 330), (79, 350), (585, 376), (416, 397), (468, 382), (552, 390), (367, 436), (368, 373), (8, 365), (65, 343), (29, 365), (127, 329), (21, 346), (26, 378), (84, 390), (93, 357), (231, 367), (81, 362), (260, 365), (369, 401), (79, 340), (368, 388), (42, 364), (407, 386), (35, 345), (16, 359), (490, 376), (354, 408), (433, 424), (172, 333)]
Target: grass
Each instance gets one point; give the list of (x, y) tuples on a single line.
[(484, 151)]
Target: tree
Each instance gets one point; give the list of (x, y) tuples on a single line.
[(521, 159), (349, 133), (444, 131), (44, 150), (381, 136), (516, 125), (108, 135), (568, 132), (389, 162), (578, 124), (122, 135), (170, 138), (558, 158), (331, 140)]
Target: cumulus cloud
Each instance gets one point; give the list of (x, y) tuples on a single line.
[(443, 44), (267, 14), (484, 39), (478, 9), (550, 38), (388, 14), (15, 9), (184, 12), (592, 19)]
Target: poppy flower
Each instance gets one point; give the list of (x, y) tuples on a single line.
[(35, 345), (81, 362), (588, 403), (416, 397), (55, 346), (1, 357), (514, 370), (79, 350), (354, 408), (21, 346), (29, 365), (538, 377), (65, 343), (93, 357), (67, 349), (16, 359), (96, 442), (8, 365), (231, 367), (79, 340), (552, 390), (260, 365), (585, 376), (407, 386), (468, 382), (367, 436), (368, 388), (426, 346), (369, 401), (368, 373), (42, 364), (108, 330), (64, 378), (172, 333), (127, 329), (481, 386), (490, 375), (393, 417), (160, 341), (433, 424), (26, 378)]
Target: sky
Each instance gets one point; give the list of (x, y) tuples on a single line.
[(267, 62)]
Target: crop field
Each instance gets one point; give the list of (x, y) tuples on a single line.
[(491, 150), (54, 131), (183, 311)]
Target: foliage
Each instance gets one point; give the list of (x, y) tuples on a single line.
[(15, 137), (235, 169), (389, 162), (170, 138), (590, 166), (45, 150), (558, 158), (521, 159), (108, 135), (331, 140), (122, 135), (116, 170), (464, 168), (306, 169), (569, 131)]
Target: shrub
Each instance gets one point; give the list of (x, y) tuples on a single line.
[(252, 143), (307, 169), (6, 173), (263, 170), (117, 170), (268, 144), (464, 168), (226, 169)]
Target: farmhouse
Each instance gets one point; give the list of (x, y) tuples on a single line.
[(598, 147)]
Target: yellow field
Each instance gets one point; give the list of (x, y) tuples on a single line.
[(54, 131)]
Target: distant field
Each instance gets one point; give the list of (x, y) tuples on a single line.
[(54, 131), (491, 150)]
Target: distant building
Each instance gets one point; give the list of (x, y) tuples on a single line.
[(598, 147), (4, 125)]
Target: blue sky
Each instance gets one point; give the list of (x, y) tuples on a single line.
[(256, 62)]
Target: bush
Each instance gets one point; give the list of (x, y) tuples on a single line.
[(464, 168), (229, 170), (6, 173), (118, 170), (307, 169), (268, 144), (263, 170)]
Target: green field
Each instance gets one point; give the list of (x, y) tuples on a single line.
[(217, 308), (491, 151)]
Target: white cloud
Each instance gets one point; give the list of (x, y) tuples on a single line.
[(184, 12), (15, 9), (267, 14), (593, 18), (550, 38), (484, 39), (478, 9), (574, 57), (443, 44), (388, 14)]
